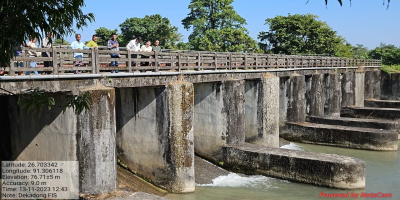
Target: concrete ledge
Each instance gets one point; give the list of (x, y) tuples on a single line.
[(341, 136), (307, 167), (371, 112), (382, 103), (356, 122)]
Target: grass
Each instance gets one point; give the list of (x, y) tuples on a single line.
[(391, 69)]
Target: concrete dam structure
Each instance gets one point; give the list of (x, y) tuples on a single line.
[(230, 113)]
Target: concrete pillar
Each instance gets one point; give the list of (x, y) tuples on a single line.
[(317, 95), (333, 94), (372, 84), (296, 111), (96, 144), (155, 134), (284, 86), (181, 105), (359, 88), (235, 111), (270, 111), (348, 84)]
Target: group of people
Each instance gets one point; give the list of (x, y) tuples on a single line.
[(112, 44)]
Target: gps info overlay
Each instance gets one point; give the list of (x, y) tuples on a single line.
[(40, 180)]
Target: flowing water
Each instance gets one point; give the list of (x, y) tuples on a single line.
[(382, 175)]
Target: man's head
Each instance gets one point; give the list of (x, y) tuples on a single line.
[(50, 35), (32, 39), (78, 37), (114, 36), (94, 38), (157, 43), (139, 39)]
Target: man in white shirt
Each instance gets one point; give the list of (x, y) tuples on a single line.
[(146, 48), (134, 46)]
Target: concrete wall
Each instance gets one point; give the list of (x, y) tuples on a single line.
[(253, 118), (373, 84), (155, 136), (348, 85), (390, 87), (333, 91)]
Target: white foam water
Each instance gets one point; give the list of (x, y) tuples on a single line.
[(236, 180), (292, 146)]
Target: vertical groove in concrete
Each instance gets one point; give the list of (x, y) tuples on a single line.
[(333, 95), (270, 111), (235, 111), (359, 89), (297, 103), (317, 95), (97, 145), (181, 110), (348, 84)]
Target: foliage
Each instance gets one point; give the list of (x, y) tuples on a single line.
[(298, 34), (153, 27), (391, 69), (35, 99), (183, 46), (79, 102), (360, 52), (389, 54), (21, 19), (60, 42), (217, 27), (104, 35), (344, 49)]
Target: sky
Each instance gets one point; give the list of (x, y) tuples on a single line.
[(366, 22)]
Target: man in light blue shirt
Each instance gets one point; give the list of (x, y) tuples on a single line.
[(77, 44)]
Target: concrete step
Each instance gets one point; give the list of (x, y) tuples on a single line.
[(341, 136), (371, 113), (357, 122), (382, 103)]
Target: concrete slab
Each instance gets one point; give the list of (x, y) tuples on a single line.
[(341, 136), (307, 167), (356, 122), (382, 103), (371, 113)]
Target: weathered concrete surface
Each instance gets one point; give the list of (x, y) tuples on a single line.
[(205, 171), (284, 86), (317, 95), (357, 122), (371, 113), (333, 92), (382, 103), (296, 111), (96, 143), (307, 167), (372, 84), (235, 111), (390, 86), (359, 88), (155, 135), (253, 110), (348, 85), (341, 136)]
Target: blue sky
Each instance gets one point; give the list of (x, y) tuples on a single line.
[(366, 22)]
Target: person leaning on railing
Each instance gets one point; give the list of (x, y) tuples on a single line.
[(146, 48), (32, 53), (134, 46), (77, 44), (113, 45), (92, 43), (47, 42)]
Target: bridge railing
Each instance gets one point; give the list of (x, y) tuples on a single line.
[(97, 60)]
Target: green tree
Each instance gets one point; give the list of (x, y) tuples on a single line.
[(389, 54), (299, 34), (21, 19), (104, 35), (217, 27), (360, 52), (153, 27), (60, 42)]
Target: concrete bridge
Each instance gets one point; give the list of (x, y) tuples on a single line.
[(229, 108)]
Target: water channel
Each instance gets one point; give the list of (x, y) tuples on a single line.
[(382, 175)]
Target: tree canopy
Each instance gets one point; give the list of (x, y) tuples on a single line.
[(21, 19), (299, 34), (389, 54), (104, 35), (153, 27), (217, 27)]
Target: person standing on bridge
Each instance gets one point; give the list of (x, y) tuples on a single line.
[(92, 43), (47, 42), (146, 48), (77, 44), (134, 46), (113, 45), (32, 53)]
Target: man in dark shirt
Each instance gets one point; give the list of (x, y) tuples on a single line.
[(113, 45)]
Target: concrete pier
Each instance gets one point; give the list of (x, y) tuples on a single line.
[(359, 88), (296, 111), (372, 84), (348, 85), (96, 143), (307, 167), (333, 92), (317, 95), (155, 134), (371, 113)]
